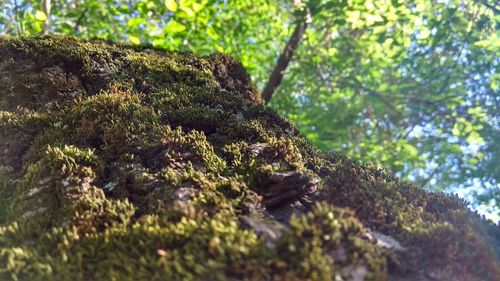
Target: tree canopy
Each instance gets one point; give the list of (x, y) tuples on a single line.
[(411, 86)]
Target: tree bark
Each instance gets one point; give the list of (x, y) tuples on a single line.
[(133, 164)]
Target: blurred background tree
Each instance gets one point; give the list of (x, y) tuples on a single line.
[(411, 86)]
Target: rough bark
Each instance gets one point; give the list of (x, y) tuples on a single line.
[(139, 164)]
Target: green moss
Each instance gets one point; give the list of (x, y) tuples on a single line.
[(127, 164), (7, 190), (328, 242), (61, 179)]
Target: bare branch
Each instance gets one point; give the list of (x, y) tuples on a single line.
[(8, 25), (285, 58), (79, 20), (45, 4)]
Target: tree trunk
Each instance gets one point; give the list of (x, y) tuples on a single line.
[(138, 164)]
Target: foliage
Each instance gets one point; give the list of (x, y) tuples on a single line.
[(410, 86)]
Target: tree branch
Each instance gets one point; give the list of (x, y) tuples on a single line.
[(376, 94), (78, 22), (8, 25), (45, 5), (284, 59), (16, 13)]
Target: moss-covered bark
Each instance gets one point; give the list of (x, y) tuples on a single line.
[(139, 164)]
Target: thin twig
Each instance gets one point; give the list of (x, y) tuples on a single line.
[(78, 21), (8, 24)]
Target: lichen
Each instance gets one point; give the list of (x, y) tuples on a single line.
[(121, 163)]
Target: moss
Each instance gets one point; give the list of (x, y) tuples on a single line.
[(328, 242), (7, 190), (124, 163), (52, 186)]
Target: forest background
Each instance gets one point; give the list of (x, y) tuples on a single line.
[(411, 86)]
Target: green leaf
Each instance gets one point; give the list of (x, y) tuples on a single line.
[(198, 6), (171, 5), (122, 9), (134, 40), (424, 33), (40, 16), (475, 138), (482, 43), (410, 149), (159, 42), (371, 19), (456, 130), (134, 22), (174, 26), (189, 12), (212, 34), (37, 26)]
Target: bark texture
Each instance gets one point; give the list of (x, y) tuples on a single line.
[(139, 164)]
